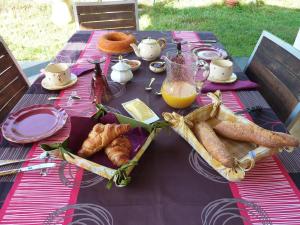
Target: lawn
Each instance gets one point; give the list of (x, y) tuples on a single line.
[(26, 25), (27, 29), (237, 28)]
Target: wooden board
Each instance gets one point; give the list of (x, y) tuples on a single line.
[(275, 66), (12, 83)]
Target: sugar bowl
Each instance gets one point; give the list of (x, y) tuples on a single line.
[(121, 72)]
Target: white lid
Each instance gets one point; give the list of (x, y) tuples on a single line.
[(149, 41), (121, 66)]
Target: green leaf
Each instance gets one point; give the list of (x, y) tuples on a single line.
[(109, 184), (101, 111), (50, 147), (159, 124), (133, 123), (62, 147), (65, 144), (120, 177)]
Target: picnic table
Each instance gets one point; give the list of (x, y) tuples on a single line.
[(171, 185)]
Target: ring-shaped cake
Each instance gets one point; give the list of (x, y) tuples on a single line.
[(116, 43)]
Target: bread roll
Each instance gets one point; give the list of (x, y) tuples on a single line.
[(255, 134), (206, 135)]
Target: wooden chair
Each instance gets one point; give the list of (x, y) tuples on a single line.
[(275, 66), (106, 15), (13, 82), (297, 41)]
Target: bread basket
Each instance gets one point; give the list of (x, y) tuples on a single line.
[(245, 154), (99, 163)]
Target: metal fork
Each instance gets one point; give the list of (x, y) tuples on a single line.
[(45, 171), (73, 95)]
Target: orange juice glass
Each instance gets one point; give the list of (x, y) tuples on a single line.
[(180, 88), (179, 94)]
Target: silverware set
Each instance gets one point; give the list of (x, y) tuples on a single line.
[(44, 167)]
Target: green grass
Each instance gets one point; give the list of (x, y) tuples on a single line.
[(29, 32), (27, 29), (238, 28)]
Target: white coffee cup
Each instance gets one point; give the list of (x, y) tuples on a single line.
[(57, 74), (220, 69)]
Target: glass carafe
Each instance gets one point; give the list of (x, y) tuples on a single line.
[(185, 75)]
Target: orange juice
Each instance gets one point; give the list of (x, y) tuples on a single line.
[(178, 94)]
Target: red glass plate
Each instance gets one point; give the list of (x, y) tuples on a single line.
[(210, 53), (34, 123)]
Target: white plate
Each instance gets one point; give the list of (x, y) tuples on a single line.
[(210, 53), (232, 79), (58, 87)]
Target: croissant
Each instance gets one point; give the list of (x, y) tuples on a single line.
[(118, 151), (100, 136)]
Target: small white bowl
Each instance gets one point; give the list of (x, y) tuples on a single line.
[(136, 62), (157, 69)]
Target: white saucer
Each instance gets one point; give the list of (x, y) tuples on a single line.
[(58, 87), (232, 79)]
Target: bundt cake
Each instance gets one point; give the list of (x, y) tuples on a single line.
[(116, 43)]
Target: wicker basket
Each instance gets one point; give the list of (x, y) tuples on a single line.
[(245, 154)]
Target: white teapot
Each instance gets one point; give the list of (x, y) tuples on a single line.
[(149, 49), (121, 72)]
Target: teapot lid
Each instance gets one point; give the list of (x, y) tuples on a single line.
[(149, 41), (121, 65)]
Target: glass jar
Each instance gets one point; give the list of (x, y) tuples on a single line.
[(185, 75)]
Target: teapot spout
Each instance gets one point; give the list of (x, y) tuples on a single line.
[(135, 49)]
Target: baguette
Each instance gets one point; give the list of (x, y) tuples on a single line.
[(206, 135), (255, 134)]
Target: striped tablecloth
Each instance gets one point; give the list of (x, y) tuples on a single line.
[(171, 185)]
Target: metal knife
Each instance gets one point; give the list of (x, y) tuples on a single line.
[(204, 41), (28, 168), (8, 162)]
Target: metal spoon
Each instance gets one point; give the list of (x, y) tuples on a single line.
[(149, 88)]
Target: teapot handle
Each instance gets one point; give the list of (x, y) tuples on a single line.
[(162, 42)]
